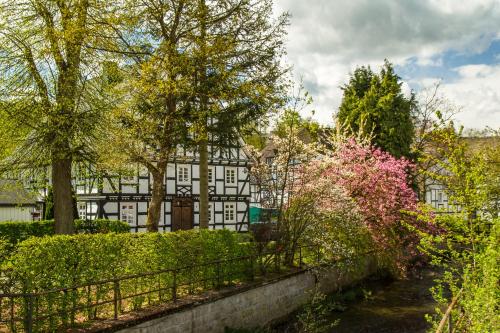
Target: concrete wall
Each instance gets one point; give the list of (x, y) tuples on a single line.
[(255, 307)]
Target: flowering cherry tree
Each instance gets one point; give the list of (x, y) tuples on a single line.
[(377, 185)]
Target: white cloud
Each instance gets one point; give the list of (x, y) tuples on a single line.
[(475, 92), (328, 39)]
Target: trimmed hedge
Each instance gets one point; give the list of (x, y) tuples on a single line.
[(15, 232), (62, 261)]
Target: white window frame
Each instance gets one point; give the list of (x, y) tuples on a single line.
[(127, 212), (230, 176), (211, 212), (82, 208), (229, 212), (211, 172), (183, 174)]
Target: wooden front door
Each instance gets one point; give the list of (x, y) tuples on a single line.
[(182, 214)]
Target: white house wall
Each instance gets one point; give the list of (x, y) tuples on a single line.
[(15, 213), (105, 196)]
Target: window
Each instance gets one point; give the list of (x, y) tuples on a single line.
[(128, 179), (210, 175), (183, 174), (81, 177), (210, 211), (230, 176), (127, 213), (229, 212), (440, 196), (82, 211)]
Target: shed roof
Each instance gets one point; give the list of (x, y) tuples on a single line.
[(13, 193)]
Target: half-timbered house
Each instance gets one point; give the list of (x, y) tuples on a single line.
[(126, 197)]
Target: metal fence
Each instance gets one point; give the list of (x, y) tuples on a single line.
[(81, 305)]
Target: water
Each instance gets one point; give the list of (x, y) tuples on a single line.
[(393, 306), (382, 306)]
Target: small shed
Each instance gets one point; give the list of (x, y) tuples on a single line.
[(16, 203)]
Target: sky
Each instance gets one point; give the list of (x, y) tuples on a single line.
[(454, 42)]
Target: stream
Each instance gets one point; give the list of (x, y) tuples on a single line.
[(382, 306), (391, 306)]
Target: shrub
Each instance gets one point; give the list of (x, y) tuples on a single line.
[(100, 226), (63, 261), (15, 232)]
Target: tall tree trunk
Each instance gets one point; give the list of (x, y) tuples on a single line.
[(158, 194), (63, 196), (203, 137), (203, 152)]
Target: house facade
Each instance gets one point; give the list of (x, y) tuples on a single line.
[(126, 197)]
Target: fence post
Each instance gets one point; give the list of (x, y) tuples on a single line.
[(29, 313), (300, 256), (219, 280), (12, 314), (116, 291), (159, 287), (174, 286), (252, 268), (277, 261)]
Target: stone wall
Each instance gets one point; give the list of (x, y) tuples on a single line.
[(258, 306)]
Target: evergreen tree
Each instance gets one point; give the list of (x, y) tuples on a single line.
[(375, 104), (48, 213)]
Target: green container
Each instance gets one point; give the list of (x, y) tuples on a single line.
[(255, 214)]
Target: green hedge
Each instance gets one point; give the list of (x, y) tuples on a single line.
[(15, 232), (63, 261)]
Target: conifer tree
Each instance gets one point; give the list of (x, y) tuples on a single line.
[(376, 104)]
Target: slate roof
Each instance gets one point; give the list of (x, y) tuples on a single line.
[(13, 193)]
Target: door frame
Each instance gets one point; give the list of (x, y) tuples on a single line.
[(181, 202)]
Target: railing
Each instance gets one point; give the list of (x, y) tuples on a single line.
[(447, 319), (81, 305)]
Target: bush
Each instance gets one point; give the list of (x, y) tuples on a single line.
[(63, 261), (100, 226), (15, 232)]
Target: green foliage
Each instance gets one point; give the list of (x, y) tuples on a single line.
[(63, 261), (467, 246), (307, 128), (101, 226), (15, 232), (481, 291), (374, 103), (49, 205), (314, 316)]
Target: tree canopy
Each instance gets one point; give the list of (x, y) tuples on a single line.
[(50, 52), (375, 103)]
